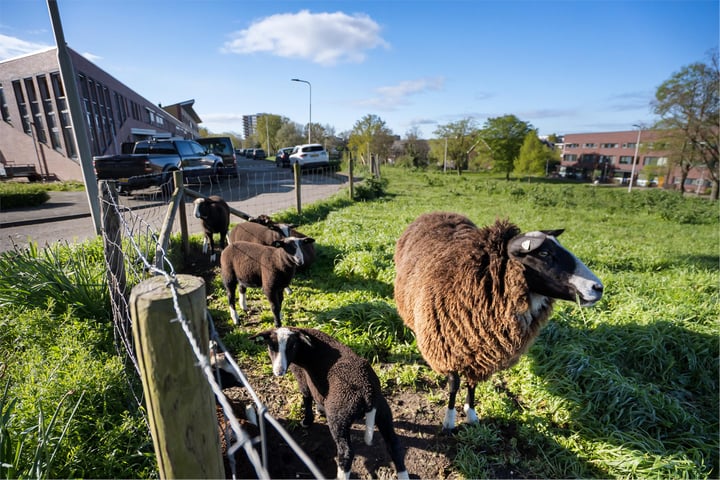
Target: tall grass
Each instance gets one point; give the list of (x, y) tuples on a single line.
[(626, 389)]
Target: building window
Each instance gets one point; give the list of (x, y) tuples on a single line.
[(3, 105), (590, 145), (625, 160), (50, 118), (655, 161), (65, 124), (22, 107), (37, 119), (609, 145), (570, 157)]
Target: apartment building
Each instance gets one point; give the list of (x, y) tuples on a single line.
[(608, 157), (36, 128)]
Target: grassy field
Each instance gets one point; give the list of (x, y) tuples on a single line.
[(626, 389)]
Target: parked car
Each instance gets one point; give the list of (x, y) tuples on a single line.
[(221, 146), (310, 155), (259, 154), (282, 157), (249, 153)]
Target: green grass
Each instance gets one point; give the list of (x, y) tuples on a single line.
[(21, 194), (625, 389)]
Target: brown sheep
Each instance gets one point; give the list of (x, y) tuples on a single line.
[(476, 298)]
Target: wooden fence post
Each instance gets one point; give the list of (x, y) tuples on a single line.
[(180, 402), (112, 243), (297, 171)]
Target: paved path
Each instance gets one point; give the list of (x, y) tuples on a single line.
[(66, 216)]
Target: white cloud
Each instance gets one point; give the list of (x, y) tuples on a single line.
[(91, 57), (11, 47), (392, 96), (323, 38)]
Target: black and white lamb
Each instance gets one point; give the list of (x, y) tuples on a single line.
[(476, 298), (271, 267), (343, 385), (215, 215)]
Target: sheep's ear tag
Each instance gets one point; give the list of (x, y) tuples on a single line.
[(524, 244), (306, 339)]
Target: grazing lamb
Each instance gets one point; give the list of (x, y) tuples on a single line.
[(477, 298), (343, 384), (215, 215), (254, 265)]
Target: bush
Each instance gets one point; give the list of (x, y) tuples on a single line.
[(18, 195)]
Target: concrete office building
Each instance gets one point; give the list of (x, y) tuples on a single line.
[(36, 128)]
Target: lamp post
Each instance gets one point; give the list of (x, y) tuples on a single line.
[(635, 157), (310, 104)]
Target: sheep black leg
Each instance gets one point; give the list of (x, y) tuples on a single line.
[(471, 416), (345, 453), (308, 414), (453, 386), (276, 299), (385, 426)]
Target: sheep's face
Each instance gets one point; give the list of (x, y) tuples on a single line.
[(283, 345), (199, 208), (552, 270), (284, 229), (293, 247)]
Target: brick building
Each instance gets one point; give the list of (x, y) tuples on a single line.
[(608, 157), (36, 127)]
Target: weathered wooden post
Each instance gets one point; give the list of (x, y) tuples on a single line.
[(112, 243), (298, 180), (180, 402), (180, 185)]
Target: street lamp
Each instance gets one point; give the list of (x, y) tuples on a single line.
[(310, 108), (635, 157)]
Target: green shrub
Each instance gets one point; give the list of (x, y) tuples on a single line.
[(18, 195)]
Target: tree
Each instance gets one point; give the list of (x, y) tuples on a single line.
[(370, 136), (505, 136), (289, 134), (460, 138), (267, 128), (415, 150), (689, 104), (534, 157)]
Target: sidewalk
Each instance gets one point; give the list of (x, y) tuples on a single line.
[(60, 206)]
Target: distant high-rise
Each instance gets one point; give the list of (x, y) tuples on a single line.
[(250, 124)]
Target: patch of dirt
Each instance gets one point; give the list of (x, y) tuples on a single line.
[(417, 423)]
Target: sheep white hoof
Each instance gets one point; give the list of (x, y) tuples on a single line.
[(234, 316), (288, 291), (243, 303), (403, 475), (369, 426), (213, 257), (251, 415), (206, 245), (449, 422), (343, 475), (471, 416)]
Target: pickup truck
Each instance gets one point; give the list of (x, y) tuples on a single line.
[(153, 161)]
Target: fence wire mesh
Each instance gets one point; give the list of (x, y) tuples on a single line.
[(132, 245)]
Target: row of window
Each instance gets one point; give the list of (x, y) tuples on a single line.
[(105, 111), (610, 159), (602, 145), (38, 108)]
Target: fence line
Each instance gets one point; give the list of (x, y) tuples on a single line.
[(134, 251)]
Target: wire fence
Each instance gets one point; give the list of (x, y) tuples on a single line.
[(135, 251)]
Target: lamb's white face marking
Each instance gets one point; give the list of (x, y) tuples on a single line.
[(298, 257), (280, 363), (196, 210), (586, 283), (285, 229)]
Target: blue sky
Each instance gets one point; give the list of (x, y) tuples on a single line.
[(563, 66)]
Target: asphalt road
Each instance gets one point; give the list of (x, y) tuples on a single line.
[(66, 216)]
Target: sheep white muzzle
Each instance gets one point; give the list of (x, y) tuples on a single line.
[(589, 288)]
